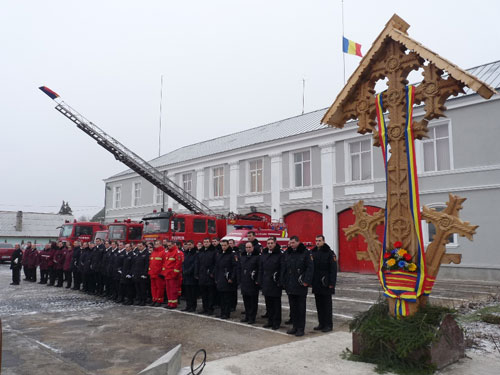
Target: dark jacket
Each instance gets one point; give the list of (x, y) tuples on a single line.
[(111, 261), (96, 258), (140, 265), (270, 272), (205, 266), (16, 259), (87, 259), (325, 270), (127, 267), (103, 268), (118, 264), (75, 258), (298, 269), (249, 273), (43, 259), (83, 260), (188, 268), (68, 256), (226, 267), (59, 259), (32, 257)]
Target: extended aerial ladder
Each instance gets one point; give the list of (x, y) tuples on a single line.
[(129, 158)]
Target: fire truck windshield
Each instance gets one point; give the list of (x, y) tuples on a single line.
[(117, 232), (66, 230), (160, 225)]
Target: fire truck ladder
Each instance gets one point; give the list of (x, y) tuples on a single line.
[(130, 159)]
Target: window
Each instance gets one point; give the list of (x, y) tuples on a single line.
[(134, 233), (81, 230), (179, 224), (218, 181), (360, 156), (302, 168), (431, 231), (255, 176), (199, 226), (158, 198), (436, 149), (187, 182), (211, 226), (117, 196), (137, 194)]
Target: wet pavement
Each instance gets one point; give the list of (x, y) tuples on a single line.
[(48, 330)]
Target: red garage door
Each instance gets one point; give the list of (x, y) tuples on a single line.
[(348, 262), (306, 224)]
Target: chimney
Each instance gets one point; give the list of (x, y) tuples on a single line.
[(19, 221)]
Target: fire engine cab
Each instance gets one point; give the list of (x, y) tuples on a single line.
[(79, 231), (128, 231)]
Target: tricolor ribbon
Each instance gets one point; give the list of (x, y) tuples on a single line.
[(401, 285)]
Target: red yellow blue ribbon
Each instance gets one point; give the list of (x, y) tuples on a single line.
[(402, 286)]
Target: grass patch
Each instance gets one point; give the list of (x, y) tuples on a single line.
[(477, 315), (397, 344)]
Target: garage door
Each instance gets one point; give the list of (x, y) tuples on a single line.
[(306, 224), (348, 262)]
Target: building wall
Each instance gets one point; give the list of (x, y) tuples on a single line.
[(475, 174)]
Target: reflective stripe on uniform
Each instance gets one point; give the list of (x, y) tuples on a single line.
[(177, 271), (171, 258), (158, 258)]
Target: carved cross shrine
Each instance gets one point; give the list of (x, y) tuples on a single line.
[(393, 57)]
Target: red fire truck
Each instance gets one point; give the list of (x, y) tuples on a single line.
[(79, 231), (127, 231), (196, 227)]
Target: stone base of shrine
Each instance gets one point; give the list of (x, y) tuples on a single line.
[(449, 348)]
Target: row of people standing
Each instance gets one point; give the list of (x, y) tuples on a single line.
[(213, 270)]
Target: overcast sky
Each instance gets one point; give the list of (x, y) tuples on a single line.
[(227, 66)]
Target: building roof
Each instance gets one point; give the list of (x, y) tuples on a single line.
[(308, 122), (34, 224)]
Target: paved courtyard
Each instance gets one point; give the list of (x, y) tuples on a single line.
[(49, 330)]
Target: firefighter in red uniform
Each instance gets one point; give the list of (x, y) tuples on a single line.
[(172, 268), (156, 260)]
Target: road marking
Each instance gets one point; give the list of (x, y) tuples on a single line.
[(48, 346), (221, 320)]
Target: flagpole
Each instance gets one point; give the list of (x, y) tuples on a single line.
[(159, 132), (303, 93), (343, 53)]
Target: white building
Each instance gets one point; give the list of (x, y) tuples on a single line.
[(310, 175)]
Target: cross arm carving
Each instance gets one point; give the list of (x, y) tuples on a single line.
[(447, 222), (366, 225)]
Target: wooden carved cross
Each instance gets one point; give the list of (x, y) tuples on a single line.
[(393, 57)]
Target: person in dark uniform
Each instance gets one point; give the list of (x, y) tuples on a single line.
[(83, 261), (249, 274), (234, 293), (43, 261), (88, 269), (31, 257), (111, 258), (324, 280), (77, 276), (16, 260), (204, 272), (226, 267), (189, 282), (118, 271), (139, 270), (68, 257), (103, 269), (269, 280), (297, 275), (126, 281), (96, 265), (51, 269), (59, 263)]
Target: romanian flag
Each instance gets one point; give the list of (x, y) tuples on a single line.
[(350, 47), (49, 92)]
